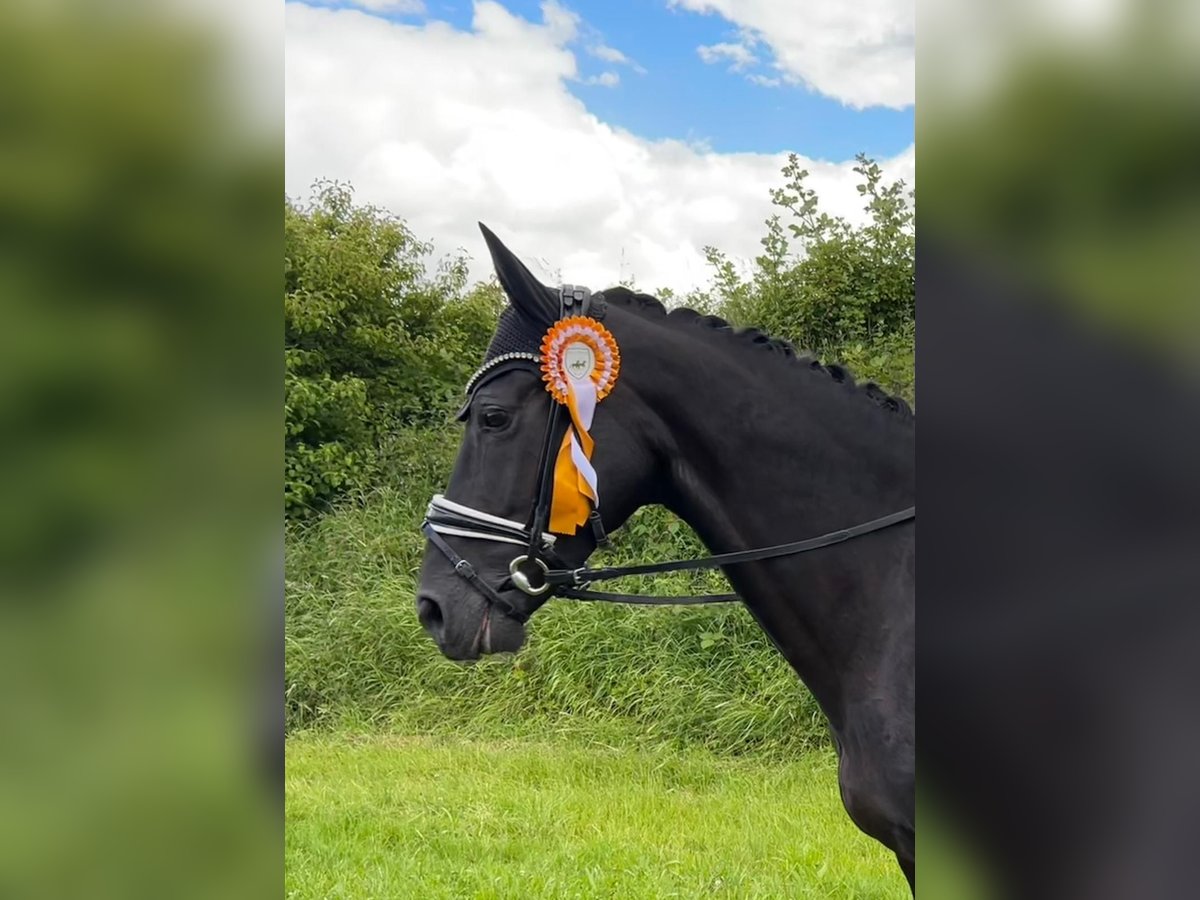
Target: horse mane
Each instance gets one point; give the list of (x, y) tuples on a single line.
[(651, 307)]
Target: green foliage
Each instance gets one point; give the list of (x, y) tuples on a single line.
[(372, 342), (848, 295)]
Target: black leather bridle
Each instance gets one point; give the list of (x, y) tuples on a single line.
[(538, 571)]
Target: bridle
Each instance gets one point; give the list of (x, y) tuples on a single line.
[(538, 571)]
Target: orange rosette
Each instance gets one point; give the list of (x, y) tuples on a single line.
[(579, 330), (580, 363)]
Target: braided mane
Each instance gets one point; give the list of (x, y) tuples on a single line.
[(651, 307)]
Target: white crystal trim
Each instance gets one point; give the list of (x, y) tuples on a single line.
[(502, 358)]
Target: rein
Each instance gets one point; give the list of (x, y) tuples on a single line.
[(575, 579), (445, 517)]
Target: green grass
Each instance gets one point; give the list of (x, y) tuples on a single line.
[(383, 817)]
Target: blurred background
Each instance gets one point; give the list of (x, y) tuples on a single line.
[(140, 630), (1057, 335), (1061, 138)]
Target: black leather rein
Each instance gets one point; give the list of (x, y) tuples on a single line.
[(569, 582)]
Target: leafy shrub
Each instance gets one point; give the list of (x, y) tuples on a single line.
[(848, 295), (372, 342)]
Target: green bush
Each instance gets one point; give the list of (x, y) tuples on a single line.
[(372, 342), (848, 295)]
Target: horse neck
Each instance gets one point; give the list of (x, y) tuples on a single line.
[(765, 451)]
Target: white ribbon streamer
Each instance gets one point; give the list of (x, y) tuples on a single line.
[(584, 393)]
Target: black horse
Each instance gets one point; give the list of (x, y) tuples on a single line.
[(751, 446)]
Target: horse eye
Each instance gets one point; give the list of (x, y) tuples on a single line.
[(495, 418)]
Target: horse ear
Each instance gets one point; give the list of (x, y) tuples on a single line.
[(531, 299)]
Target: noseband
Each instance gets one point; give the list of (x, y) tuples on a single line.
[(538, 570)]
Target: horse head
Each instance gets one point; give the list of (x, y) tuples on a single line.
[(489, 504)]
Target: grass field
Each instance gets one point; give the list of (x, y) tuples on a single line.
[(388, 817)]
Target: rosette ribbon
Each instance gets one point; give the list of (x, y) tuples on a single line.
[(580, 361)]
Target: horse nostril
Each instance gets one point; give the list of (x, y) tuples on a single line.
[(429, 613)]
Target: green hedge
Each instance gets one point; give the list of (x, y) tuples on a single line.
[(374, 342)]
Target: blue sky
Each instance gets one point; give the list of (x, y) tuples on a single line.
[(680, 96)]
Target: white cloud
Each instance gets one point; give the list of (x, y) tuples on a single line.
[(445, 128), (558, 19), (763, 80), (738, 55), (604, 79), (615, 56), (860, 53), (414, 7)]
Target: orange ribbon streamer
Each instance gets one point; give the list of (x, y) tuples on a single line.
[(570, 502)]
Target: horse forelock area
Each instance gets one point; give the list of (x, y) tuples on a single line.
[(651, 307)]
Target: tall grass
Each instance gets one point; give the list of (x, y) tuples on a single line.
[(679, 676)]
